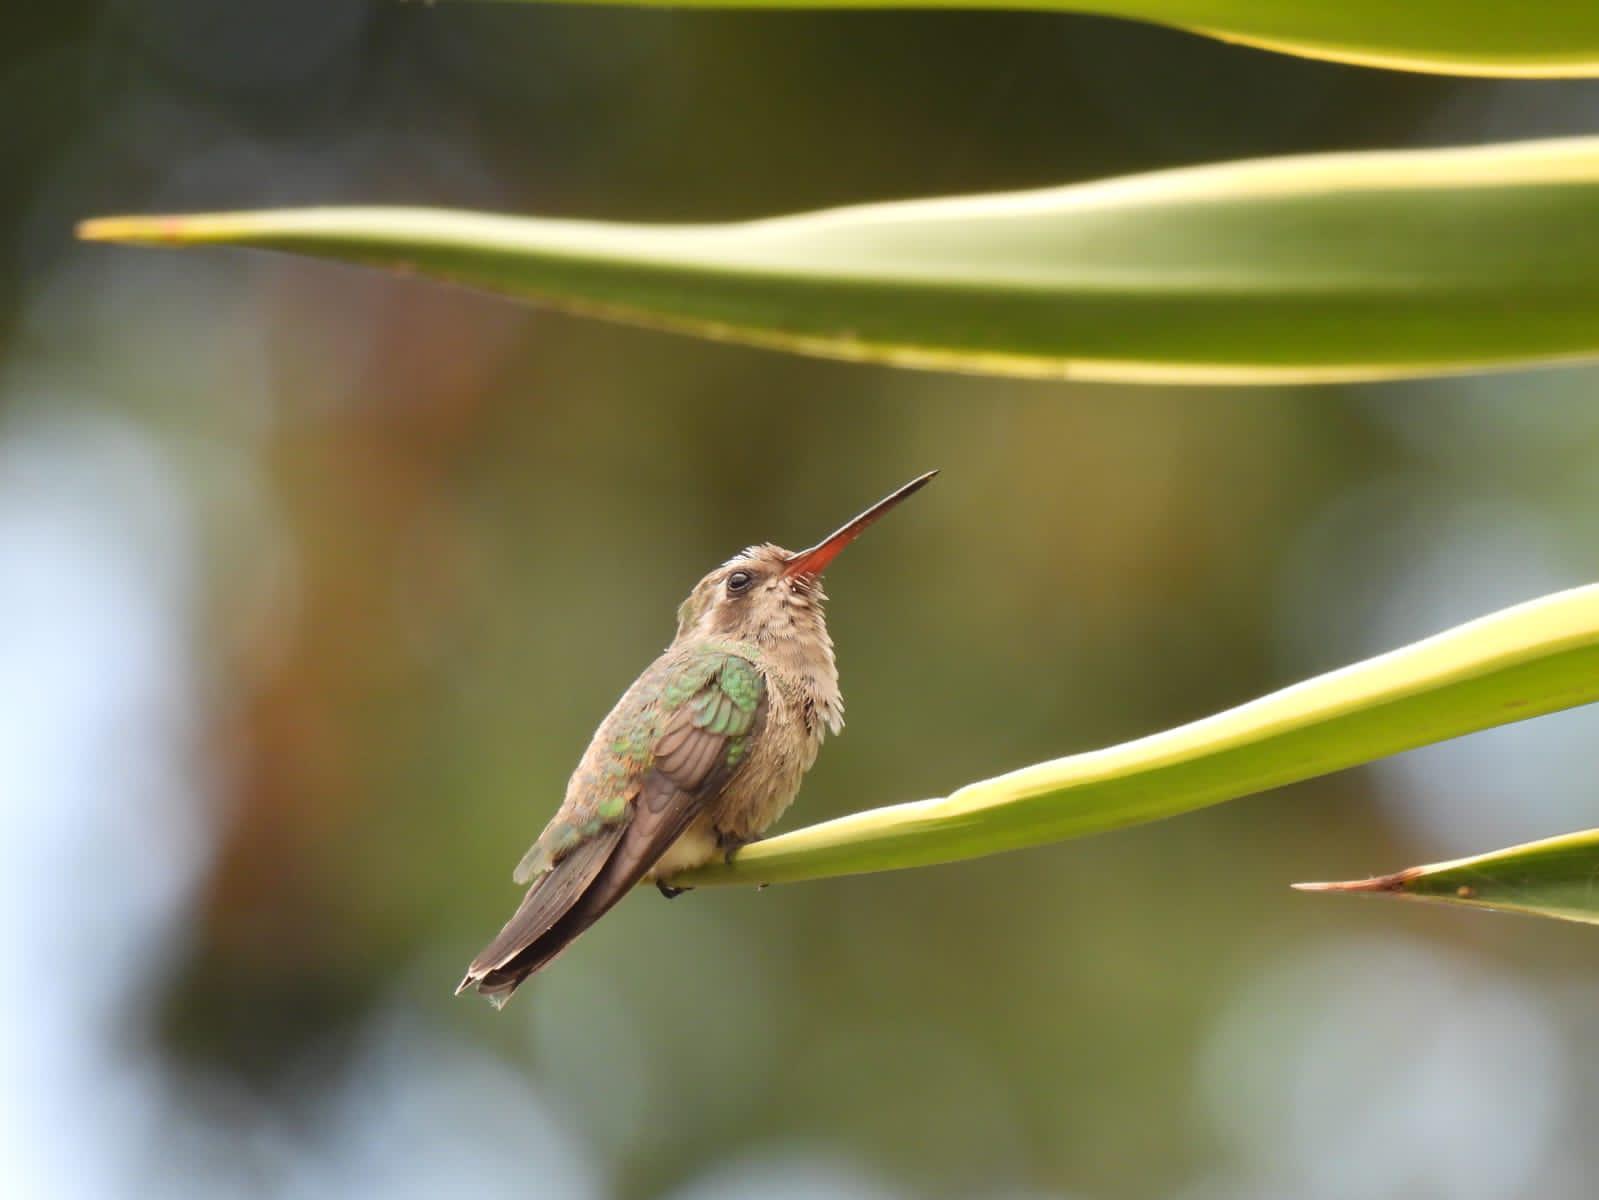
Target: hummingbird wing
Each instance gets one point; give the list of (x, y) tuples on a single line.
[(670, 746)]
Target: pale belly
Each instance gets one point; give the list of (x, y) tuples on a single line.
[(734, 822), (743, 813), (695, 848)]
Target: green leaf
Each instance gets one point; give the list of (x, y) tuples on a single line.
[(1328, 267), (1457, 37), (1557, 877), (1518, 663)]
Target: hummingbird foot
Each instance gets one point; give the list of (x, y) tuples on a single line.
[(670, 892), (730, 844)]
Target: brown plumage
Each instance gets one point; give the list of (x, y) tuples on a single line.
[(700, 756)]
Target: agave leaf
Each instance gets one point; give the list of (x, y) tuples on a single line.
[(1534, 658), (1323, 267), (1556, 877), (1455, 37)]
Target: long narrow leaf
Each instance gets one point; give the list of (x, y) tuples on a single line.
[(1458, 37), (1299, 269), (1557, 877), (1534, 658)]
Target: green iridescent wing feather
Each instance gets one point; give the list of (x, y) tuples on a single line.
[(704, 738), (681, 731)]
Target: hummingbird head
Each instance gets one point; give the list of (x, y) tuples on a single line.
[(766, 592)]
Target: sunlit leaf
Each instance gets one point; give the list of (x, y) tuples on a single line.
[(1557, 877), (1534, 658), (1298, 269), (1459, 37)]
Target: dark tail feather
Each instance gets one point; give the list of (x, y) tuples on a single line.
[(546, 904), (497, 983), (583, 887)]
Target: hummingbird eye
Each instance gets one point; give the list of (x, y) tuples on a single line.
[(739, 581)]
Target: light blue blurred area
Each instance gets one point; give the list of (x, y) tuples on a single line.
[(1322, 1085), (103, 838), (313, 584)]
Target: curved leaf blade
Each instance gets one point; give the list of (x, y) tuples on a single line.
[(1316, 268), (1536, 38), (1523, 661), (1557, 877)]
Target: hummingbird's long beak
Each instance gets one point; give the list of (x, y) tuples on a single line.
[(814, 561)]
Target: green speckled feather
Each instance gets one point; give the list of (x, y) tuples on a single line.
[(687, 720)]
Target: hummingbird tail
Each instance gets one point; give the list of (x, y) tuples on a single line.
[(499, 969), (580, 889), (495, 993)]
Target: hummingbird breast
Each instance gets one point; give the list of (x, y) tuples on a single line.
[(798, 717)]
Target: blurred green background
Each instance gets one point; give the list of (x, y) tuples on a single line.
[(313, 584)]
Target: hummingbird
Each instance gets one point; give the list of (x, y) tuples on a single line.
[(699, 757)]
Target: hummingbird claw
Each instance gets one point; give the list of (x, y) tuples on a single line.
[(731, 845), (670, 892)]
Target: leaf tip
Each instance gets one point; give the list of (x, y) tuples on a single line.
[(133, 231), (1377, 883)]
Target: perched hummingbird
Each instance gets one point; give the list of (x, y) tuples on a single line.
[(699, 757)]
